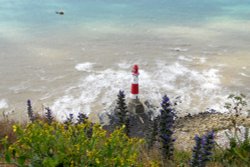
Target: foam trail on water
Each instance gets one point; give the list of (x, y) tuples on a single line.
[(97, 91), (184, 58), (179, 49), (124, 65), (244, 75), (87, 66), (3, 104)]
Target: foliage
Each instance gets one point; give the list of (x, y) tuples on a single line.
[(152, 133), (48, 115), (196, 157), (6, 130), (202, 150), (166, 128), (122, 112), (238, 152), (208, 144), (77, 142), (69, 121), (181, 158), (81, 118), (41, 144), (236, 106), (30, 111)]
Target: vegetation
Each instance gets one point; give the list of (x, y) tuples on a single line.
[(151, 136), (166, 128), (30, 111), (122, 112), (41, 144), (202, 150), (238, 152), (44, 142)]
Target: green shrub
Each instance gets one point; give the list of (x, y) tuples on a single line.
[(238, 153), (41, 144)]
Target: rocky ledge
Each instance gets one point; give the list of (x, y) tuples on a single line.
[(185, 128)]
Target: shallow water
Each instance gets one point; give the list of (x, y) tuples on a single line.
[(79, 61)]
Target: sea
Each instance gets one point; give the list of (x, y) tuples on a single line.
[(195, 51)]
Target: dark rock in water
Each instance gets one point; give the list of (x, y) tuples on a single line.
[(60, 12), (138, 122)]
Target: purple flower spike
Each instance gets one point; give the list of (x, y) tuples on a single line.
[(166, 128)]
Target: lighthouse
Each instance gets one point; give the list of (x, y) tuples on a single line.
[(134, 104)]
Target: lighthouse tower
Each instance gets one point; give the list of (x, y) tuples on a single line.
[(134, 104)]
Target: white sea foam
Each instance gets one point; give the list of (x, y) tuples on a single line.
[(179, 49), (87, 66), (203, 60), (244, 68), (98, 90), (97, 87), (184, 58), (3, 104), (123, 65), (211, 79), (245, 75)]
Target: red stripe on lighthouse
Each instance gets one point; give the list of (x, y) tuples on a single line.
[(135, 82), (135, 70), (135, 89)]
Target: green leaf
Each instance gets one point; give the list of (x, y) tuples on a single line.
[(7, 157), (21, 160), (245, 159), (50, 162), (246, 135)]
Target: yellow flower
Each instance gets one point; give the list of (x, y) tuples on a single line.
[(72, 164), (14, 128), (89, 153), (77, 147), (97, 161)]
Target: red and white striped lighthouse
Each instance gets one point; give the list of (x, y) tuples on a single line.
[(135, 82), (134, 105)]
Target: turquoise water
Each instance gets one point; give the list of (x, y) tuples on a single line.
[(36, 16), (54, 58)]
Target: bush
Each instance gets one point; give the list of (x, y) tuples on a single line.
[(238, 153), (41, 144)]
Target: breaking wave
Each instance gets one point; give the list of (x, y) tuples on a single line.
[(198, 90)]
